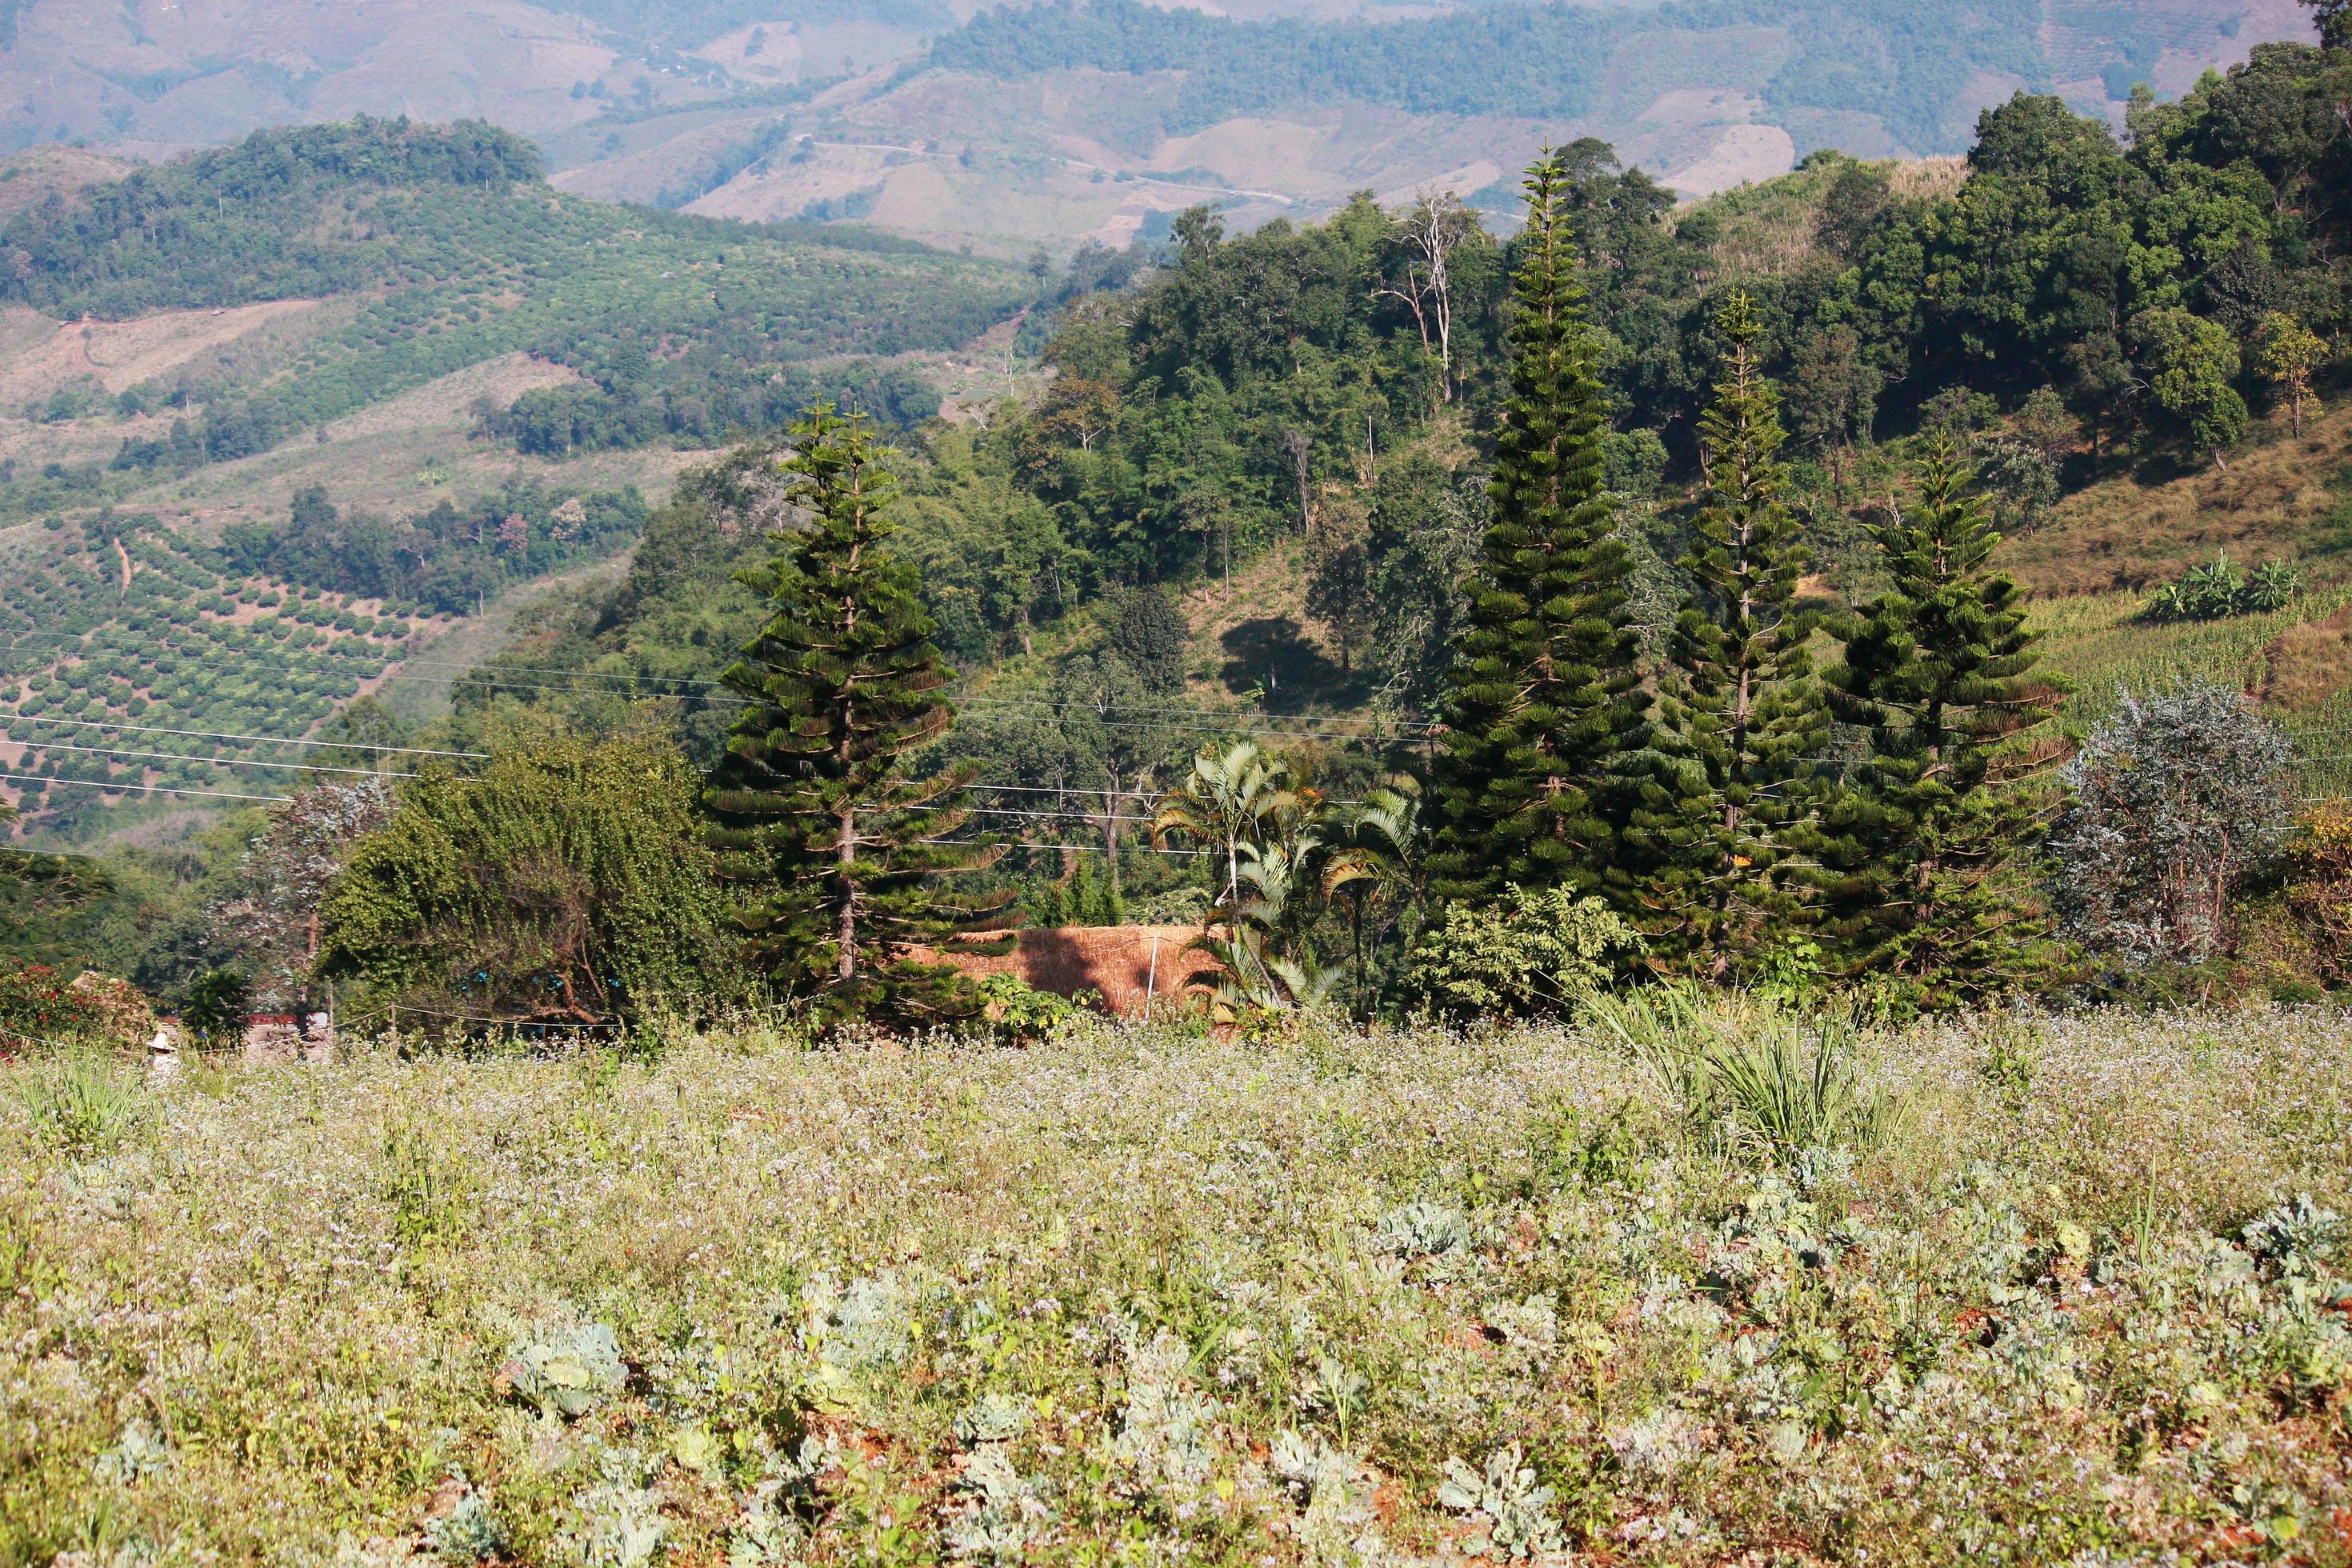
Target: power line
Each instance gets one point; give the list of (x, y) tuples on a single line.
[(141, 788), (491, 675), (1183, 721), (248, 739), (203, 762), (981, 703), (1075, 848), (1003, 811)]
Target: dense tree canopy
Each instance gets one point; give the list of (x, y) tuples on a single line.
[(565, 883)]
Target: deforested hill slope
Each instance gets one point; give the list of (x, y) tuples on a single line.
[(434, 249), (1102, 117), (1006, 125)]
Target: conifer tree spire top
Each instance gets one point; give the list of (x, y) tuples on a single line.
[(1544, 696)]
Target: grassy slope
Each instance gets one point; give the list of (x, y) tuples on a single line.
[(2091, 566), (256, 1311), (2138, 529)]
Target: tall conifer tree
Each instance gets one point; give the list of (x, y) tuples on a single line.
[(1741, 717), (1544, 697), (1924, 855), (815, 812)]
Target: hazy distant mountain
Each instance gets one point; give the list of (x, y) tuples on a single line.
[(1007, 126)]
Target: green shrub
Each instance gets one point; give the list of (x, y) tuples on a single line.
[(1021, 1012), (40, 1009), (1536, 955)]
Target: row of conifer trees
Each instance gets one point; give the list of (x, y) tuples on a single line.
[(1873, 807), (1755, 799)]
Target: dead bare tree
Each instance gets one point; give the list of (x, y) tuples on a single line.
[(1300, 448), (1428, 233)]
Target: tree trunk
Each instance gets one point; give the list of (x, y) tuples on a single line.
[(845, 965), (1110, 838)]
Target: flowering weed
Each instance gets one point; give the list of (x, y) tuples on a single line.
[(1135, 1295)]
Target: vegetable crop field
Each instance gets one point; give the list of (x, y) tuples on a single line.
[(1678, 1285)]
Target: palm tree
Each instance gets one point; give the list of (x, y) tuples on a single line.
[(1379, 862), (1256, 972), (1233, 797), (1259, 811)]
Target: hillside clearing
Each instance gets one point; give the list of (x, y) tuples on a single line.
[(43, 354), (2278, 499)]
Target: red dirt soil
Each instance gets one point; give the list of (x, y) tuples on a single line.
[(1127, 964)]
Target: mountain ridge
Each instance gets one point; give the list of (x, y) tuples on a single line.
[(1050, 124)]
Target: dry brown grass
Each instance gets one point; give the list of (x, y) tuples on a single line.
[(42, 356), (2128, 534), (2309, 664), (1928, 178)]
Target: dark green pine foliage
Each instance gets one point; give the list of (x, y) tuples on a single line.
[(1545, 699), (1924, 858), (815, 812), (1741, 719)]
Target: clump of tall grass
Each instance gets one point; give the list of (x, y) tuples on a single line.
[(82, 1101), (1750, 1078)]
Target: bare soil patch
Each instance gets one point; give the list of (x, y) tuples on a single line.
[(39, 356)]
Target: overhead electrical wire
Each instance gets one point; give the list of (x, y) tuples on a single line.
[(205, 762), (247, 739), (1213, 719), (1074, 848), (141, 788)]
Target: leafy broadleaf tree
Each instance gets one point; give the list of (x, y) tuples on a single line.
[(2335, 19), (817, 814), (2190, 364), (275, 920), (563, 884), (1924, 859), (1741, 716), (2178, 798), (1150, 634), (2288, 354), (1544, 697)]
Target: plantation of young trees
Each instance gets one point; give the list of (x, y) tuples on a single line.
[(453, 250)]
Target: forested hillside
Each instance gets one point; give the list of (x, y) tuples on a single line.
[(1290, 429), (673, 891), (1247, 498)]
